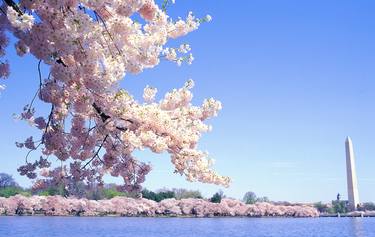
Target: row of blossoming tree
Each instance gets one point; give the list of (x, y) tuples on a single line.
[(59, 206), (94, 126)]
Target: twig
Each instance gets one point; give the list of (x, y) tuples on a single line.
[(109, 33), (28, 153), (97, 152), (49, 121), (12, 4)]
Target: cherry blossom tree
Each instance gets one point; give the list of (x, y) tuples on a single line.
[(94, 126), (58, 206), (7, 180)]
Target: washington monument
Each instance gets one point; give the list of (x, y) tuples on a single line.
[(353, 197)]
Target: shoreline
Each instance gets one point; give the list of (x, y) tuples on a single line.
[(128, 207), (194, 217), (350, 214), (169, 208)]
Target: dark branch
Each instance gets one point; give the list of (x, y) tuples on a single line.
[(106, 29), (60, 61), (48, 123), (96, 153), (13, 5), (102, 115), (105, 117)]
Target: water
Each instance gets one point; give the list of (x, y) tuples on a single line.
[(185, 227)]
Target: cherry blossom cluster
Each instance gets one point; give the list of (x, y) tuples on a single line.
[(59, 206), (94, 126)]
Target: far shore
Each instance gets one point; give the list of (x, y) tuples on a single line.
[(122, 206), (344, 215), (139, 207), (350, 214)]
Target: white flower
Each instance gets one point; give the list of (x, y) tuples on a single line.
[(149, 94), (88, 55), (189, 84), (170, 54), (190, 59), (23, 22), (179, 61), (208, 18), (21, 48), (184, 48)]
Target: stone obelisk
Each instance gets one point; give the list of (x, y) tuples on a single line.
[(353, 197)]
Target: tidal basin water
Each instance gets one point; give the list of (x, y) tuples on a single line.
[(185, 227)]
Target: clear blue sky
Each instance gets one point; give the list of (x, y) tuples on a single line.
[(295, 78)]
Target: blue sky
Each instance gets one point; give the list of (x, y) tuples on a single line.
[(295, 78)]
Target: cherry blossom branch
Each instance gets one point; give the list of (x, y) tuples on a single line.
[(102, 115), (105, 117), (48, 123), (40, 86), (60, 61), (1, 9), (97, 152), (106, 29), (12, 4), (31, 150), (86, 71)]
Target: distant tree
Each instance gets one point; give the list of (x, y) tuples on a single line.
[(216, 198), (367, 206), (94, 192), (321, 207), (53, 191), (77, 189), (7, 180), (183, 194), (165, 195), (112, 192), (282, 203), (46, 192), (263, 199), (12, 191), (250, 198), (8, 191), (339, 206), (159, 196), (147, 194)]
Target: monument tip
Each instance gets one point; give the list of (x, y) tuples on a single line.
[(348, 139)]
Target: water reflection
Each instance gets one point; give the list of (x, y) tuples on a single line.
[(182, 227), (356, 225)]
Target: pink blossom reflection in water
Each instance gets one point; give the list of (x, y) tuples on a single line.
[(185, 227)]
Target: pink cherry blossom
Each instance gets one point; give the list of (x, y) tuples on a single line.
[(94, 127), (123, 206), (4, 70)]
